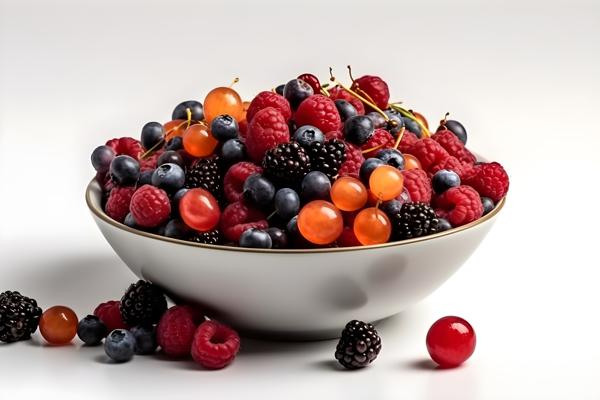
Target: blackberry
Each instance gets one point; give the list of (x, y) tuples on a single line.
[(287, 163), (205, 173), (19, 317), (210, 237), (327, 157), (359, 345), (142, 304), (413, 220)]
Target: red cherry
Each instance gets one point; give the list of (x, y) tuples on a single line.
[(450, 341), (199, 210)]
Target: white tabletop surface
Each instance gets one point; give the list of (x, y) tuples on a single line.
[(522, 76)]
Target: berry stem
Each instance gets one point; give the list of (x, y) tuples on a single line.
[(189, 116), (162, 141), (372, 149), (350, 73), (235, 80), (407, 114), (271, 215), (399, 139)]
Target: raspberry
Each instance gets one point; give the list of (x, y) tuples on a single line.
[(451, 163), (318, 111), (429, 152), (312, 81), (237, 217), (117, 205), (375, 88), (354, 160), (150, 206), (175, 331), (267, 129), (110, 314), (407, 141), (127, 146), (454, 146), (462, 205), (269, 99), (215, 345), (418, 185), (149, 163), (339, 93), (233, 183), (490, 180), (348, 238), (339, 135), (381, 139)]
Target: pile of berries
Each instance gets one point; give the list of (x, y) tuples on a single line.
[(305, 165)]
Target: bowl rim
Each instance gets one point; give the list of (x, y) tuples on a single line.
[(94, 186)]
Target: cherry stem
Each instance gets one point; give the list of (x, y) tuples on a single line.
[(350, 73), (400, 135), (189, 116), (271, 215), (235, 80), (372, 149), (162, 141), (378, 203), (443, 122), (364, 100), (405, 113)]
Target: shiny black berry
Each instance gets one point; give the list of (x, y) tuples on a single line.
[(210, 237), (19, 317), (295, 91), (224, 127), (102, 156), (315, 185), (391, 157), (307, 135), (169, 177), (287, 203), (358, 129), (233, 151), (180, 112), (91, 330), (170, 156), (259, 190), (345, 109), (124, 170), (256, 238), (152, 134), (359, 345), (143, 304), (278, 238), (455, 127), (174, 144)]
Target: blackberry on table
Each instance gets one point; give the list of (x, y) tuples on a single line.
[(287, 163), (327, 157), (19, 317), (143, 304), (413, 220), (359, 345)]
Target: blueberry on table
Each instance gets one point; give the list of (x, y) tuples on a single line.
[(145, 339), (91, 330), (120, 345)]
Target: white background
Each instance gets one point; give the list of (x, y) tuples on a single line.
[(522, 76)]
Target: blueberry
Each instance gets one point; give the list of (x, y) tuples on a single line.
[(307, 134), (412, 126), (368, 166), (170, 156), (124, 170), (177, 229), (295, 91), (278, 238), (120, 345), (443, 225), (102, 156), (259, 190), (378, 120), (292, 226), (174, 144), (457, 128), (315, 185), (224, 127), (256, 238), (488, 205), (91, 330), (358, 129), (391, 157), (145, 339), (279, 89), (391, 207), (178, 195), (145, 178), (443, 180), (233, 151), (195, 107), (287, 203), (169, 177), (152, 134), (345, 109), (130, 221), (395, 122)]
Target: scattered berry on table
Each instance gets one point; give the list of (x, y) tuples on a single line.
[(110, 314), (145, 339), (256, 238), (175, 331), (195, 107), (19, 317), (119, 345), (91, 330), (215, 345), (450, 341), (359, 345), (58, 325), (142, 304)]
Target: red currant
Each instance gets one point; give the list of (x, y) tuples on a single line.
[(450, 341)]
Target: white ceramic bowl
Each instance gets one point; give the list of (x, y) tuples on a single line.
[(293, 294)]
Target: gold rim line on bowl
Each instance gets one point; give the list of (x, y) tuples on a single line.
[(102, 215)]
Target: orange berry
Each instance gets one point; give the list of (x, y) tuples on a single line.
[(411, 162), (174, 129), (372, 226), (421, 118), (349, 194), (386, 182), (223, 100), (199, 210), (198, 141), (320, 222), (58, 325)]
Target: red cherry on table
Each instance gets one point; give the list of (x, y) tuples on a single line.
[(199, 210), (450, 341)]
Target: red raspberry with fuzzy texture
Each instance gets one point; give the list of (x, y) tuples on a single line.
[(150, 163), (319, 111), (243, 127), (126, 146), (239, 216), (117, 205), (407, 141), (313, 82), (354, 159), (375, 88), (429, 152), (381, 139), (460, 204), (175, 331), (339, 93), (452, 164), (233, 182), (418, 185), (489, 180), (110, 314), (339, 135), (267, 129), (269, 99), (150, 206), (215, 345), (454, 146)]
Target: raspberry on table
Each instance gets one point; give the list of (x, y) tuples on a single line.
[(126, 146), (429, 152), (319, 111), (339, 93), (233, 183), (459, 205), (354, 159), (269, 99), (238, 217), (454, 146), (267, 129), (117, 205), (110, 314), (418, 185), (215, 345), (381, 139), (175, 331), (375, 88), (489, 180), (150, 206)]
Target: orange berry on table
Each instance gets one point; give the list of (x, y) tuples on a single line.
[(198, 141), (58, 325), (320, 222), (349, 194), (223, 100), (386, 182), (372, 226), (411, 162), (174, 128), (199, 210)]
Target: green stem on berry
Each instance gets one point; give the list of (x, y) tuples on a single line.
[(409, 115)]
